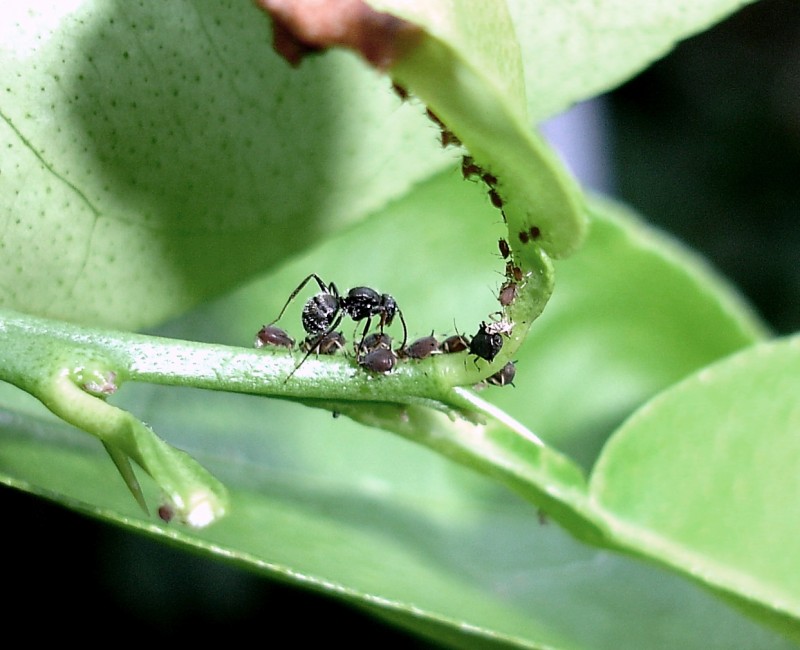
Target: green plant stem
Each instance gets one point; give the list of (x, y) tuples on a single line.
[(64, 365)]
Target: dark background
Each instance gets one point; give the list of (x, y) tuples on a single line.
[(706, 143)]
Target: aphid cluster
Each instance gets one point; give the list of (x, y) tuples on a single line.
[(470, 170), (448, 138), (324, 312), (530, 234)]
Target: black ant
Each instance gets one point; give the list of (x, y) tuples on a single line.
[(323, 313)]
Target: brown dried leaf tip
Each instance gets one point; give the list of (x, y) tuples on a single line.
[(303, 27)]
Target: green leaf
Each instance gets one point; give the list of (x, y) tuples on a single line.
[(633, 312), (705, 478), (157, 154), (467, 70), (573, 51), (362, 515)]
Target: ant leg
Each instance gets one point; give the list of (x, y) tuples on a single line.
[(312, 345), (405, 329), (322, 286), (360, 346)]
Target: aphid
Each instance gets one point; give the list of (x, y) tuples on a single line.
[(527, 235), (422, 348), (374, 341), (505, 250), (271, 335), (454, 343), (489, 179), (513, 272), (469, 169), (486, 344), (504, 376), (448, 137), (379, 360), (323, 312), (400, 91), (329, 343), (433, 117), (508, 294), (495, 198), (166, 512)]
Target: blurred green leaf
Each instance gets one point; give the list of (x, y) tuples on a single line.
[(633, 312), (705, 478), (573, 51)]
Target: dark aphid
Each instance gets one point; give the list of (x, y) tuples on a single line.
[(454, 343), (433, 117), (374, 341), (495, 198), (422, 348), (166, 512), (505, 250), (513, 273), (508, 293), (489, 179), (469, 169), (448, 137), (528, 235), (400, 91), (379, 360), (504, 376), (329, 343), (487, 343), (271, 335)]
